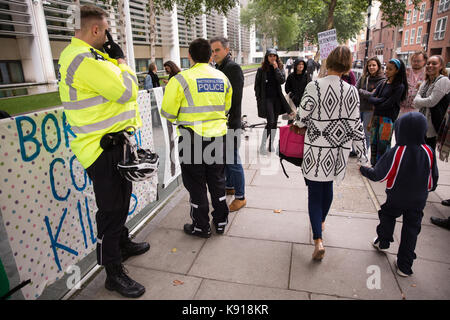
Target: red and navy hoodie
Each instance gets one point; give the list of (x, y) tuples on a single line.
[(409, 168)]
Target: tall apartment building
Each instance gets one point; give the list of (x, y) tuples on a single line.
[(33, 34)]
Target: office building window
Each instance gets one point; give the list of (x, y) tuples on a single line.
[(408, 17), (185, 63), (142, 65), (159, 64), (11, 72), (414, 19), (405, 41)]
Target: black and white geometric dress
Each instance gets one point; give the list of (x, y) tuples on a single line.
[(330, 111)]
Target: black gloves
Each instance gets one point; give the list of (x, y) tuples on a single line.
[(112, 48)]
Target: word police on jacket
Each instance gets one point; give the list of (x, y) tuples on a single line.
[(210, 85)]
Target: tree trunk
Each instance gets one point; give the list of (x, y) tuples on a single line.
[(330, 20), (264, 44), (152, 21)]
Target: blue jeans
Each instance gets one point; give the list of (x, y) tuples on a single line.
[(234, 172), (365, 117), (320, 197)]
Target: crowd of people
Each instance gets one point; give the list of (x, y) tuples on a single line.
[(412, 102), (335, 113)]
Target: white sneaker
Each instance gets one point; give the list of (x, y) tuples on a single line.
[(399, 272), (376, 244)]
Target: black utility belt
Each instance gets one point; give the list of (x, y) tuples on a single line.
[(111, 140)]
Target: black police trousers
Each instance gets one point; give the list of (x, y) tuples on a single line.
[(199, 174), (112, 195)]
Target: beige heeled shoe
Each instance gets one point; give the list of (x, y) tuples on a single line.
[(319, 250)]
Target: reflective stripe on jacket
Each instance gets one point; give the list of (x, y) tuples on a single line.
[(98, 95), (199, 98)]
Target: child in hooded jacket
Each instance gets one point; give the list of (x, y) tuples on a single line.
[(410, 172)]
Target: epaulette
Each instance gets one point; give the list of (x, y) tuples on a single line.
[(96, 55)]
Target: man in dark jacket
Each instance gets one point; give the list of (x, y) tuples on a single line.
[(410, 172), (310, 67), (234, 173)]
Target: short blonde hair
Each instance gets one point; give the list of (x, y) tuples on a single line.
[(340, 59)]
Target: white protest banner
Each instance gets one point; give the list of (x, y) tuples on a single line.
[(46, 197), (172, 168), (327, 42)]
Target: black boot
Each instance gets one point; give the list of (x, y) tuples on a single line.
[(191, 230), (118, 280), (262, 147), (129, 249), (444, 223), (271, 140)]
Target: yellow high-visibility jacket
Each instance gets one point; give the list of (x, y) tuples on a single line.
[(199, 98), (98, 95)]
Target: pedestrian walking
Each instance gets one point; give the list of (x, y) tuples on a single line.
[(386, 99), (329, 111), (197, 100), (289, 64), (98, 91), (151, 79), (433, 97), (415, 76), (410, 172), (370, 79), (296, 82), (234, 172), (171, 68), (269, 97), (310, 67)]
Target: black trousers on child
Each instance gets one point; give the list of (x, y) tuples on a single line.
[(112, 195), (412, 219), (202, 173)]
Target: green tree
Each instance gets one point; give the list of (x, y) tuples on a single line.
[(272, 22), (347, 17)]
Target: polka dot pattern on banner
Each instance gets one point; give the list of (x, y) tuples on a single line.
[(44, 191)]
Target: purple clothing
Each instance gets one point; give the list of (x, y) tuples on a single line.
[(349, 78)]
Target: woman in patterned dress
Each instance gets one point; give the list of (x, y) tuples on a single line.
[(330, 112)]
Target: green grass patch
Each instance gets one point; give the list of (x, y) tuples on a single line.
[(16, 105), (251, 66)]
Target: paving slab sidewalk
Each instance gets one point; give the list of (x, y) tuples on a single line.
[(267, 255)]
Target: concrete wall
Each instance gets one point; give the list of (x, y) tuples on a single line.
[(10, 49)]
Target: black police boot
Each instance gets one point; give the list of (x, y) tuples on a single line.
[(129, 249), (220, 227), (118, 280), (194, 231), (444, 223)]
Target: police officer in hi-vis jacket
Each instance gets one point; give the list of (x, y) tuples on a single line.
[(197, 100), (98, 91)]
